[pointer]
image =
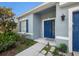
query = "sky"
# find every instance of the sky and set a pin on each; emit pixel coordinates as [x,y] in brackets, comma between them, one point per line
[20,7]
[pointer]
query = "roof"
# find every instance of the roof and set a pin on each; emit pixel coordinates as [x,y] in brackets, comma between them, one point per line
[38,8]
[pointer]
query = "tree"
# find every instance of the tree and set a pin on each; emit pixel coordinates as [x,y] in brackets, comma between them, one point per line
[6,13]
[6,19]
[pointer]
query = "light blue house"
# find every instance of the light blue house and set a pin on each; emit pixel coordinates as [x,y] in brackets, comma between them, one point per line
[55,20]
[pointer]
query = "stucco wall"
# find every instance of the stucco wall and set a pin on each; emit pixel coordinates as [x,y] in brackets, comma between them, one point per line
[30,22]
[37,26]
[61,27]
[50,14]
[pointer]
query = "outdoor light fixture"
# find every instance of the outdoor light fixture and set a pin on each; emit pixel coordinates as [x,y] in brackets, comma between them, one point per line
[63,17]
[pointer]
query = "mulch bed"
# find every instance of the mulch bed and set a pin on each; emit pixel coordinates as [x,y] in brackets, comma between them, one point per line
[10,52]
[17,49]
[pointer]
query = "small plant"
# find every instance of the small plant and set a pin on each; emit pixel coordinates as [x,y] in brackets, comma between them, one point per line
[46,48]
[63,48]
[55,52]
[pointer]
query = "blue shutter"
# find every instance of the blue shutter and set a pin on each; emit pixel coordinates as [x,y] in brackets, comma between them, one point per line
[19,26]
[26,25]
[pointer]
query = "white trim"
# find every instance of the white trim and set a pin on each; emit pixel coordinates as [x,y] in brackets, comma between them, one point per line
[43,24]
[61,37]
[64,4]
[23,19]
[25,33]
[70,28]
[49,19]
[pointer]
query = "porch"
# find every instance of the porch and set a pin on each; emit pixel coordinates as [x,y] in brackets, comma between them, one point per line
[44,24]
[46,40]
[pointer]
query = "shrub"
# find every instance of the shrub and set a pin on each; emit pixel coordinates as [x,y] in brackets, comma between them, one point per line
[8,40]
[63,47]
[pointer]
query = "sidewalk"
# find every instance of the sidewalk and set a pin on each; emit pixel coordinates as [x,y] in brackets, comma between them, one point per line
[32,51]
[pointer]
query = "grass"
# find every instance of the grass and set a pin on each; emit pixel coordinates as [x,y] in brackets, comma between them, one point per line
[27,43]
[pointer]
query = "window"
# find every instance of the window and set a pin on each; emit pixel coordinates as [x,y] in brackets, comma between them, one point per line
[23,26]
[26,25]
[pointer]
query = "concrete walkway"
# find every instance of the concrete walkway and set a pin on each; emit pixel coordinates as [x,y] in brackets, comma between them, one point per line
[32,51]
[46,40]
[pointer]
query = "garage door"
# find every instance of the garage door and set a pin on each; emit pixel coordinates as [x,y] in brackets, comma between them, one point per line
[76,31]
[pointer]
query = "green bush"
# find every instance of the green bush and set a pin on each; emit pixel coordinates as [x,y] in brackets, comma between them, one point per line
[8,40]
[63,47]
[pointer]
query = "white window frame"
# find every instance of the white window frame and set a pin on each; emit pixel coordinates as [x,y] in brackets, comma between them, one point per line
[70,28]
[43,25]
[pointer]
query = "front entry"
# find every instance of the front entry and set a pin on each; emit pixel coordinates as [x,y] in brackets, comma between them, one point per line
[49,29]
[76,31]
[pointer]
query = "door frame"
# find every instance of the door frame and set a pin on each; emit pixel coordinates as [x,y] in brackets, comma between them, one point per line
[70,27]
[43,25]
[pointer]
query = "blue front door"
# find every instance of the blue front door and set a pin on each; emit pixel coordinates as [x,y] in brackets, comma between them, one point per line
[76,31]
[48,29]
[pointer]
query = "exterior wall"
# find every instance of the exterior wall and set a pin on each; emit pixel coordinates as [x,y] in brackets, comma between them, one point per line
[62,27]
[30,23]
[37,26]
[50,14]
[59,41]
[45,16]
[23,25]
[37,21]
